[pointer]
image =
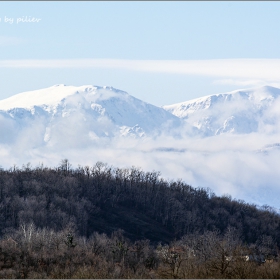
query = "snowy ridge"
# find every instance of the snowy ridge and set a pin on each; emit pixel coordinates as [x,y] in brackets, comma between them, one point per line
[256,95]
[99,111]
[108,112]
[241,111]
[53,96]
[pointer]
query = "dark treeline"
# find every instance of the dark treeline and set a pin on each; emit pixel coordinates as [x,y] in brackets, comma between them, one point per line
[105,222]
[104,199]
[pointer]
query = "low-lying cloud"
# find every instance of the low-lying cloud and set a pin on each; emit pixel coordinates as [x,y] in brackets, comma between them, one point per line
[227,164]
[249,69]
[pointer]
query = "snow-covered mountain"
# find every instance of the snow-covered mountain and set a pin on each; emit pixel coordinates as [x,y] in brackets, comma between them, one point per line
[84,112]
[241,111]
[87,124]
[88,113]
[71,116]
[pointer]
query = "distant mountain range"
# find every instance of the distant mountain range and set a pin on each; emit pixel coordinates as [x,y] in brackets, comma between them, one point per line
[228,142]
[92,112]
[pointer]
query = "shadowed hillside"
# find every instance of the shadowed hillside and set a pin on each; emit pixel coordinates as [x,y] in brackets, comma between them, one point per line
[105,222]
[104,199]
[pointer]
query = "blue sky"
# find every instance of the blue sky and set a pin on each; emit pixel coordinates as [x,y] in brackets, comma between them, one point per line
[160,52]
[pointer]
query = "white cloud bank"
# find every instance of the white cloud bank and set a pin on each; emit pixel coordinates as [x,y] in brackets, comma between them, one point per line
[253,69]
[228,164]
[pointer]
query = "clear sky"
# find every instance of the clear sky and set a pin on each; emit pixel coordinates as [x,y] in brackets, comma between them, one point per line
[160,52]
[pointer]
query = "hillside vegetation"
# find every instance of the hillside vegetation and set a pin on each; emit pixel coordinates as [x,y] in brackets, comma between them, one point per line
[106,222]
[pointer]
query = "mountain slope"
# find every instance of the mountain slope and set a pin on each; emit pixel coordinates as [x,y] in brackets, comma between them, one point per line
[242,111]
[92,112]
[85,111]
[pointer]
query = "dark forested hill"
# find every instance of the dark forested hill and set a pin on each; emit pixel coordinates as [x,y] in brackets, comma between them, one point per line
[103,199]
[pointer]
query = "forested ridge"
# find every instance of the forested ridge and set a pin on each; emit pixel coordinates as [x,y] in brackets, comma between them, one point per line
[108,207]
[102,198]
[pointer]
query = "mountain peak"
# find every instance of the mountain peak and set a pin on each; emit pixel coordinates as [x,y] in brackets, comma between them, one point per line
[238,111]
[54,95]
[101,110]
